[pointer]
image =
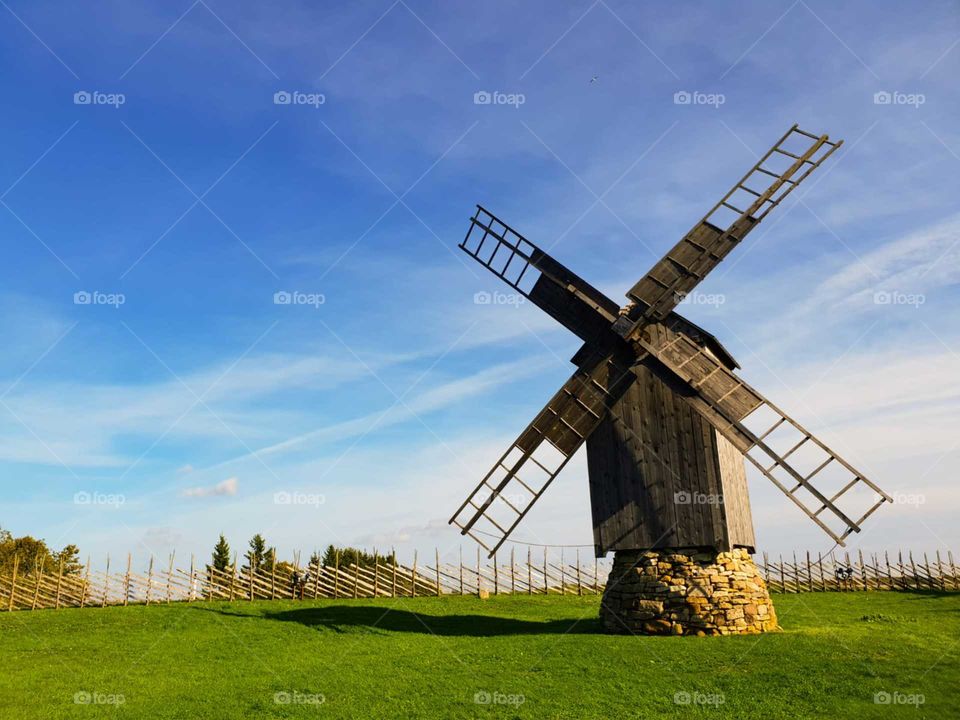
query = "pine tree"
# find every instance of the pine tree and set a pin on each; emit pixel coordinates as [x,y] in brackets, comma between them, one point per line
[221,554]
[257,555]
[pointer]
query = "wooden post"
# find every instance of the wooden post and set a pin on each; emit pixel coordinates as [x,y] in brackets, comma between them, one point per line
[13,582]
[513,571]
[38,569]
[86,584]
[59,582]
[461,570]
[149,579]
[478,572]
[809,574]
[233,576]
[436,552]
[913,568]
[823,579]
[546,588]
[953,570]
[336,574]
[579,581]
[529,573]
[106,582]
[563,574]
[273,575]
[783,579]
[250,572]
[126,582]
[393,582]
[496,576]
[316,579]
[413,585]
[886,557]
[190,592]
[376,571]
[356,577]
[596,574]
[170,574]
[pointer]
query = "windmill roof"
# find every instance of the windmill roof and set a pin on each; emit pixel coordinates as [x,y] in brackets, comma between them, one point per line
[708,339]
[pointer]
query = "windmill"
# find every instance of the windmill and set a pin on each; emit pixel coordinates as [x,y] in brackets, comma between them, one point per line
[667,422]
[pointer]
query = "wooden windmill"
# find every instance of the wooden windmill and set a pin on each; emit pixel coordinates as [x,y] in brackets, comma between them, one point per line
[666,420]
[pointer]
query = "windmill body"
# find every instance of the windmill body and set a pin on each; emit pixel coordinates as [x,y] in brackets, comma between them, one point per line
[668,425]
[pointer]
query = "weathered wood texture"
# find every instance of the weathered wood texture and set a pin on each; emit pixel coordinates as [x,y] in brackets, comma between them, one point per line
[659,478]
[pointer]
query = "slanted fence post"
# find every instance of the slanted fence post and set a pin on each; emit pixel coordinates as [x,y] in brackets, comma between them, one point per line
[336,574]
[513,571]
[413,584]
[436,552]
[192,586]
[546,587]
[106,583]
[126,581]
[496,576]
[393,582]
[13,582]
[38,564]
[86,584]
[149,579]
[59,582]
[461,570]
[579,581]
[529,573]
[170,574]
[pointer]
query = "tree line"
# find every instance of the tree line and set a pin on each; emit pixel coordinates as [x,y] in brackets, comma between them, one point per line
[34,554]
[260,556]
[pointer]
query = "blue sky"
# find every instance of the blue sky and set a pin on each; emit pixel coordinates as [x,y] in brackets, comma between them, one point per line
[198,198]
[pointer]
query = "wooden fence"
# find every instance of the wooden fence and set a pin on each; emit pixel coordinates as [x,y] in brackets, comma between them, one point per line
[387,579]
[872,572]
[384,578]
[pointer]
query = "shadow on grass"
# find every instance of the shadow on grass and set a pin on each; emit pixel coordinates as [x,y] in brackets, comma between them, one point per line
[351,618]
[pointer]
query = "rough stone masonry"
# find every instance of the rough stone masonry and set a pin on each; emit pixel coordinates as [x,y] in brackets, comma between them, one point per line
[670,592]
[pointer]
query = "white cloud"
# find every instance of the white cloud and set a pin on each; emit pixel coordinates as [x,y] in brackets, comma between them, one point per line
[227,487]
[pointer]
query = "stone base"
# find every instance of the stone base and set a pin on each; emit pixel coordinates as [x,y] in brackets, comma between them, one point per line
[671,592]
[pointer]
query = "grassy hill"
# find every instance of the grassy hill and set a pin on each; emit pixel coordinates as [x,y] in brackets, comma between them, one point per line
[526,657]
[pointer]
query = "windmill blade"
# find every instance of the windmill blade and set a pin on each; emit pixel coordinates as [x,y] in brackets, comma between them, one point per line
[521,476]
[766,435]
[784,166]
[562,294]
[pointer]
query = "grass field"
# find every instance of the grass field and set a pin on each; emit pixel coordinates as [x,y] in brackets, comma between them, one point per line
[526,657]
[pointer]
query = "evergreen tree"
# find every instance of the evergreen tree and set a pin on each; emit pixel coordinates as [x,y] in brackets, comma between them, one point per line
[257,555]
[221,554]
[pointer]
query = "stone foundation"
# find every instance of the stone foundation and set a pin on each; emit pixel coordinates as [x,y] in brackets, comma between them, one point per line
[672,592]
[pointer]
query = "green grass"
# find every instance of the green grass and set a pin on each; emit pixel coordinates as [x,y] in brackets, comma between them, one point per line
[429,658]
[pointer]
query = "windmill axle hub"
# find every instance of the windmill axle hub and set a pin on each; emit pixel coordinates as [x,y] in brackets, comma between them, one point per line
[672,592]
